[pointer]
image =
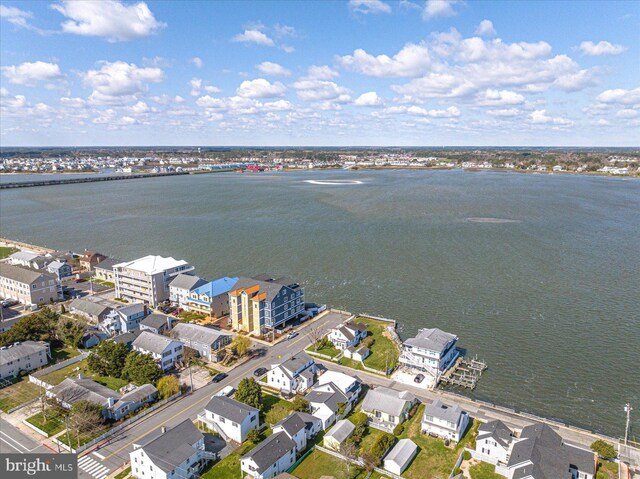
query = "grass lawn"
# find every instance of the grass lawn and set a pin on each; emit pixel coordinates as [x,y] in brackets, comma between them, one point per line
[108,284]
[190,316]
[319,464]
[369,438]
[18,393]
[434,459]
[84,437]
[56,377]
[329,350]
[60,354]
[274,408]
[123,474]
[382,348]
[52,425]
[229,467]
[607,470]
[484,470]
[5,251]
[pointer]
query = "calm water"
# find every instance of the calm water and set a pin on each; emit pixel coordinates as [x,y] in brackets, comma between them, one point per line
[537,274]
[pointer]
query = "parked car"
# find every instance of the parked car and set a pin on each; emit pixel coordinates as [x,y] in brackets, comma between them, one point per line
[218,377]
[260,372]
[227,391]
[419,378]
[9,302]
[292,334]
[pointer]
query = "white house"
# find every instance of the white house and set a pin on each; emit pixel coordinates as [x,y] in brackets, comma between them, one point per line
[177,453]
[447,422]
[350,386]
[493,442]
[24,356]
[123,319]
[207,341]
[328,404]
[231,418]
[296,374]
[338,434]
[347,335]
[166,351]
[400,456]
[181,286]
[294,427]
[357,353]
[271,457]
[387,408]
[431,350]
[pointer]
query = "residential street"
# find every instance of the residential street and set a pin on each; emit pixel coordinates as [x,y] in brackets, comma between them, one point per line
[13,441]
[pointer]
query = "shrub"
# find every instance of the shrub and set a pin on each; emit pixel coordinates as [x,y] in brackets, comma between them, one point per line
[382,444]
[368,341]
[359,419]
[466,455]
[253,436]
[604,449]
[398,429]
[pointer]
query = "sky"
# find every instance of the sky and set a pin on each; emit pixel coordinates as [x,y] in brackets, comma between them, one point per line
[320,73]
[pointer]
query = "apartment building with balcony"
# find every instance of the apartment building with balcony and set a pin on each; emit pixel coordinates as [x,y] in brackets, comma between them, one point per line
[147,279]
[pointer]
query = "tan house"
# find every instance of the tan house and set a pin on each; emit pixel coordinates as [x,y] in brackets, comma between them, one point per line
[90,259]
[28,286]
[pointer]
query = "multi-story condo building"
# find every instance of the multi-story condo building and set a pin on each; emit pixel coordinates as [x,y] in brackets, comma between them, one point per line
[28,286]
[147,279]
[181,286]
[260,304]
[211,298]
[432,351]
[24,356]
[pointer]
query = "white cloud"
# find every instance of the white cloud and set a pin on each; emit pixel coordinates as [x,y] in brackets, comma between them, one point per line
[260,88]
[31,73]
[253,36]
[323,72]
[370,98]
[541,117]
[576,81]
[273,69]
[3,91]
[601,48]
[627,113]
[439,8]
[110,19]
[494,98]
[620,96]
[320,90]
[73,102]
[284,30]
[196,62]
[504,112]
[485,28]
[412,60]
[369,6]
[279,105]
[287,48]
[451,112]
[197,85]
[14,103]
[119,82]
[15,16]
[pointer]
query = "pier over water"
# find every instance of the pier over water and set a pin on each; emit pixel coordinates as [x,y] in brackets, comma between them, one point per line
[89,179]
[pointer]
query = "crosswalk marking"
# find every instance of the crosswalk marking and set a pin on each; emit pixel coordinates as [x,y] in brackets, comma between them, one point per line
[93,467]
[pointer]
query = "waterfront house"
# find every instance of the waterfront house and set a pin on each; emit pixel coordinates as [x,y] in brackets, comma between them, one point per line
[447,422]
[338,434]
[166,351]
[387,408]
[59,269]
[400,456]
[124,318]
[295,428]
[259,305]
[540,453]
[157,323]
[147,279]
[431,350]
[296,374]
[272,456]
[104,269]
[23,356]
[176,453]
[207,341]
[211,298]
[91,258]
[230,418]
[328,404]
[28,286]
[493,442]
[348,335]
[92,308]
[28,259]
[181,286]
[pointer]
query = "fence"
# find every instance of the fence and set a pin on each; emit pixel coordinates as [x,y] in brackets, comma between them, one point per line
[115,429]
[35,428]
[458,462]
[57,366]
[379,318]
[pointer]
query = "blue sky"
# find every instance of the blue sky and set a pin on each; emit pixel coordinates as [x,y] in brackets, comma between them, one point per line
[359,72]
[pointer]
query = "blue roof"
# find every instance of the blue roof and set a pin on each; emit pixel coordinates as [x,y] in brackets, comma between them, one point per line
[215,287]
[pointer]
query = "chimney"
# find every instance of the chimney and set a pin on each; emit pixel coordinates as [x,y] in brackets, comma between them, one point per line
[163,429]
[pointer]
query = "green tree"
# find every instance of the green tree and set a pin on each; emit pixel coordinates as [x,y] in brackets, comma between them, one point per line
[168,386]
[604,449]
[382,444]
[108,359]
[300,404]
[249,392]
[141,368]
[70,332]
[253,436]
[40,326]
[240,345]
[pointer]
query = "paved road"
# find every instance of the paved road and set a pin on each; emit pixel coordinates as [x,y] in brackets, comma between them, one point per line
[116,452]
[14,441]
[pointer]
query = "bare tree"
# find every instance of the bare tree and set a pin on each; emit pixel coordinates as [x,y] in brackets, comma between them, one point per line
[350,451]
[315,334]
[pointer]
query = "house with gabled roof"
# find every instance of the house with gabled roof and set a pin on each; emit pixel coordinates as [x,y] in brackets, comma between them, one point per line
[271,457]
[293,426]
[442,420]
[431,350]
[348,335]
[338,434]
[157,323]
[181,286]
[206,340]
[400,456]
[166,351]
[231,418]
[23,356]
[350,386]
[387,408]
[328,404]
[494,441]
[124,319]
[296,374]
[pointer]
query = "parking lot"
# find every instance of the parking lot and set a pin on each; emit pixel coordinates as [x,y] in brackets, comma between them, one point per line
[72,289]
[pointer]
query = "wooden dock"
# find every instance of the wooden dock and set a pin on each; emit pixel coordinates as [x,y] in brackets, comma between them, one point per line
[464,373]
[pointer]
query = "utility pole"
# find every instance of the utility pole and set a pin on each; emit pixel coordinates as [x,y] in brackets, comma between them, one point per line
[66,423]
[627,409]
[91,284]
[190,376]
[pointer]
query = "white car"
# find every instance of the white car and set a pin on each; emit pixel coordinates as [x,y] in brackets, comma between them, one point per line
[292,334]
[226,391]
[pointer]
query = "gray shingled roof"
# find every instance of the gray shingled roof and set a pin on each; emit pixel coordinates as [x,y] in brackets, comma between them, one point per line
[330,399]
[87,306]
[198,333]
[386,400]
[152,342]
[443,411]
[187,281]
[402,452]
[267,284]
[22,275]
[21,350]
[130,309]
[341,430]
[139,393]
[270,450]
[72,390]
[228,408]
[294,363]
[107,264]
[497,430]
[155,320]
[173,447]
[127,337]
[433,339]
[291,424]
